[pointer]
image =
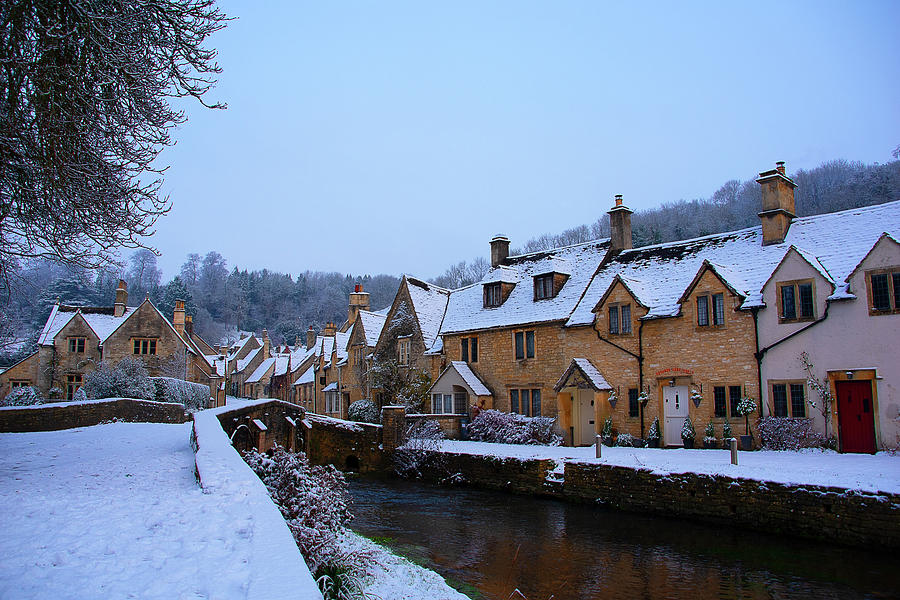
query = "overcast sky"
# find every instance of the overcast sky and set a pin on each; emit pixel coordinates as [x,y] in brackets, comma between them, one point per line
[386,137]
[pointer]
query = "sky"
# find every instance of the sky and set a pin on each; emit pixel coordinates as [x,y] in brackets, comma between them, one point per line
[399,137]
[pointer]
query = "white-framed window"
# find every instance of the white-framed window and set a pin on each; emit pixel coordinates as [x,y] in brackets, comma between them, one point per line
[403,351]
[449,404]
[332,402]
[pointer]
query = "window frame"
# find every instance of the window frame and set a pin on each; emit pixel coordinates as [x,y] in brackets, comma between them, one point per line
[534,400]
[525,335]
[791,402]
[144,346]
[403,351]
[469,349]
[622,312]
[708,315]
[892,277]
[543,287]
[73,382]
[493,295]
[797,304]
[77,344]
[634,405]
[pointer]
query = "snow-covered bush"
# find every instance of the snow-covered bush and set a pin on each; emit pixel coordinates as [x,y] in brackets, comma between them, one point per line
[128,379]
[625,439]
[653,434]
[709,435]
[746,406]
[22,396]
[313,501]
[606,434]
[785,433]
[423,437]
[55,393]
[80,395]
[687,430]
[726,431]
[363,411]
[510,428]
[193,396]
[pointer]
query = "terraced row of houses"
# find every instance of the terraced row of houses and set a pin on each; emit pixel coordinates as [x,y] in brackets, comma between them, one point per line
[801,315]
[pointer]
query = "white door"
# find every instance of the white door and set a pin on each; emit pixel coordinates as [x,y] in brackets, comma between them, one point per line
[675,400]
[584,431]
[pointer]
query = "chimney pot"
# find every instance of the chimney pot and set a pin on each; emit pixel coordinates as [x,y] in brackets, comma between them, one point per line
[779,166]
[618,199]
[619,227]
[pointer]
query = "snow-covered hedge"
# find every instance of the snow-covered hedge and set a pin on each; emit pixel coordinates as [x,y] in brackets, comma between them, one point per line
[423,436]
[785,433]
[625,440]
[313,501]
[193,396]
[22,396]
[127,379]
[510,428]
[363,411]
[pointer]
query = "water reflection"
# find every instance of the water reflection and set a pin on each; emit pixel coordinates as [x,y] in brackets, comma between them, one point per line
[490,544]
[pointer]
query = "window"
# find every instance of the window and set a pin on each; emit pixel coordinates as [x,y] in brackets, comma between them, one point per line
[781,402]
[332,402]
[76,344]
[524,344]
[796,301]
[718,310]
[719,400]
[492,295]
[19,383]
[525,402]
[634,409]
[73,382]
[735,393]
[358,358]
[403,351]
[543,287]
[145,345]
[620,319]
[884,289]
[441,404]
[469,349]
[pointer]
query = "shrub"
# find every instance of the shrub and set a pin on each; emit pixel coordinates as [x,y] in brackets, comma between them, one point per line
[606,434]
[423,436]
[312,500]
[625,439]
[363,411]
[22,396]
[509,428]
[79,395]
[709,434]
[785,433]
[639,443]
[687,430]
[55,393]
[193,396]
[128,379]
[653,434]
[342,576]
[726,431]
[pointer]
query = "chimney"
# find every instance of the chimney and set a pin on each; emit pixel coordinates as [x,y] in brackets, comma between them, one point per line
[777,204]
[223,350]
[265,346]
[619,227]
[330,329]
[499,250]
[297,341]
[310,337]
[189,324]
[121,298]
[359,300]
[178,317]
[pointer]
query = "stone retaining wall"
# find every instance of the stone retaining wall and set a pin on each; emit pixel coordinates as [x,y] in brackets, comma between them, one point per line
[346,445]
[66,415]
[832,514]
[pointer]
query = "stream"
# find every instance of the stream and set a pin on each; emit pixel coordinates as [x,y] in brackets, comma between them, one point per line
[490,544]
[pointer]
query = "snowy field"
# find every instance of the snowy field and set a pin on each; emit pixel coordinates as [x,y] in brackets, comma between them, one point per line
[879,472]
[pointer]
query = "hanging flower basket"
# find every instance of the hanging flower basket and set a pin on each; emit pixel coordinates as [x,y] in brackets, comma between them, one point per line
[697,398]
[643,398]
[613,398]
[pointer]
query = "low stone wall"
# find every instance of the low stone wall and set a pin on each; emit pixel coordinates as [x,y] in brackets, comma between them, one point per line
[241,425]
[66,415]
[451,425]
[832,514]
[346,444]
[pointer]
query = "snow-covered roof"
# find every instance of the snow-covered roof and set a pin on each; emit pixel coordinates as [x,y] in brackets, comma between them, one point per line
[243,362]
[307,376]
[261,370]
[281,364]
[100,319]
[331,387]
[501,274]
[430,304]
[471,379]
[341,341]
[466,311]
[658,275]
[372,324]
[590,373]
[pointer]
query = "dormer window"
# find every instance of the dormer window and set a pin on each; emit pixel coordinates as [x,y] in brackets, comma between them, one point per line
[492,295]
[796,301]
[716,316]
[543,287]
[884,291]
[620,319]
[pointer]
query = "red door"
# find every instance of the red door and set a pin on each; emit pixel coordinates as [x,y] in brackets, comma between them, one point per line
[856,416]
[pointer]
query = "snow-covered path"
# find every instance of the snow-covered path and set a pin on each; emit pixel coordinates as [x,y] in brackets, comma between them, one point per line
[880,472]
[114,511]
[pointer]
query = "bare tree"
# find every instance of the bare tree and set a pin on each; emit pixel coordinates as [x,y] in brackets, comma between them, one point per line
[84,112]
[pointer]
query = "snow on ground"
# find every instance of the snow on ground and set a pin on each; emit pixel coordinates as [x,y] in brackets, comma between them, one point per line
[879,472]
[392,577]
[114,511]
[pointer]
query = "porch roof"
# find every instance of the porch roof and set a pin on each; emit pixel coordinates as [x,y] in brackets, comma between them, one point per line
[470,380]
[590,376]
